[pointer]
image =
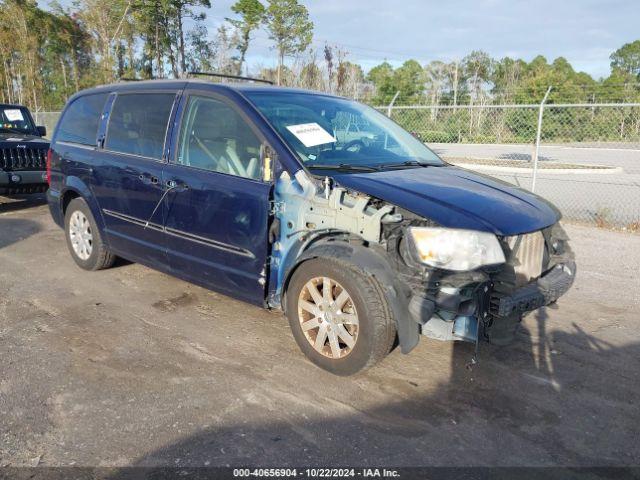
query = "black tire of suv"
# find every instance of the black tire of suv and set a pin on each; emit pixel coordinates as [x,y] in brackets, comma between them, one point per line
[100,256]
[376,330]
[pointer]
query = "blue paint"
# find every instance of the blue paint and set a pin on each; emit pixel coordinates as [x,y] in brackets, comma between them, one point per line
[228,210]
[466,328]
[457,198]
[289,200]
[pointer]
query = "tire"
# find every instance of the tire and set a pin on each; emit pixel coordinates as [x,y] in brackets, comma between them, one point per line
[79,224]
[371,339]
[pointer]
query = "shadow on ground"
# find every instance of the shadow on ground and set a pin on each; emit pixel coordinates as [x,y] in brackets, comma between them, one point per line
[20,202]
[16,229]
[491,415]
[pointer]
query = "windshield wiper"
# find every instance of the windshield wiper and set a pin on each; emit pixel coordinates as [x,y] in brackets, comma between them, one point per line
[345,167]
[409,163]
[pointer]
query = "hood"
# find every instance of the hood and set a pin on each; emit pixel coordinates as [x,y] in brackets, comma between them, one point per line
[8,140]
[457,198]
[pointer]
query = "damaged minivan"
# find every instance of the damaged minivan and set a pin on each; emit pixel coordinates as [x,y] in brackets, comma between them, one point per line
[305,202]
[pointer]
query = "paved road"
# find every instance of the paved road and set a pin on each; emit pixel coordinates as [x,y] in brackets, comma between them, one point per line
[626,158]
[131,367]
[612,198]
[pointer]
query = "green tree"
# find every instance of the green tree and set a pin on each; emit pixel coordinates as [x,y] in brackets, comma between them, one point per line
[382,77]
[251,14]
[619,87]
[627,58]
[507,76]
[478,67]
[349,78]
[311,76]
[179,11]
[435,77]
[289,27]
[104,26]
[409,80]
[201,51]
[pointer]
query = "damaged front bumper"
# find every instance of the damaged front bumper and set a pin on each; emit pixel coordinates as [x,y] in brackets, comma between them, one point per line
[546,290]
[490,303]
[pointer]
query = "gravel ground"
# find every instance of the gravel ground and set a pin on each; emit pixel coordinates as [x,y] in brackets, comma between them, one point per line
[128,366]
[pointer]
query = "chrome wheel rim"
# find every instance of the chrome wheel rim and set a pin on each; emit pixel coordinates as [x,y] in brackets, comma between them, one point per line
[328,317]
[80,235]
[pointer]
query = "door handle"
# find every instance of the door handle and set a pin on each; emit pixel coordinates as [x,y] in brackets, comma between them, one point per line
[171,185]
[177,186]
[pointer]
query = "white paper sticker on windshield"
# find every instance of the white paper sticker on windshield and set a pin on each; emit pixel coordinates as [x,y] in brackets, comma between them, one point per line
[14,115]
[311,134]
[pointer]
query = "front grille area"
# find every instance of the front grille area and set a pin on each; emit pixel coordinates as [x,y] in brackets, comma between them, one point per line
[13,159]
[529,255]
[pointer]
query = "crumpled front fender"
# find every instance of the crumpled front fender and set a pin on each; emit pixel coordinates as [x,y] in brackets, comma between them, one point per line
[374,263]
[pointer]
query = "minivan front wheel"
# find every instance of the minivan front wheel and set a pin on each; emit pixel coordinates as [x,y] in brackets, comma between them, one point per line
[83,237]
[339,316]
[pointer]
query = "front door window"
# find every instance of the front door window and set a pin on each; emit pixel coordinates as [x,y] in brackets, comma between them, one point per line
[214,137]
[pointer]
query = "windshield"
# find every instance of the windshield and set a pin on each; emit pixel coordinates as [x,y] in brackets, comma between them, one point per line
[335,133]
[15,120]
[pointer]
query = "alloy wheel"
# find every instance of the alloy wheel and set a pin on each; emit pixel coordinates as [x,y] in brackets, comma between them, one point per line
[80,235]
[328,317]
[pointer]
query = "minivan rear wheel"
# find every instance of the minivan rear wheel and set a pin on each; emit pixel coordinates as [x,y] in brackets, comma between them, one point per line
[83,237]
[339,316]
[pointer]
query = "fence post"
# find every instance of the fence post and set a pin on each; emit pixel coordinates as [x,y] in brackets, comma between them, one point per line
[537,152]
[393,100]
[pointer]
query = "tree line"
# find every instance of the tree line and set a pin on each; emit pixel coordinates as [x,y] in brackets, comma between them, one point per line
[47,54]
[479,79]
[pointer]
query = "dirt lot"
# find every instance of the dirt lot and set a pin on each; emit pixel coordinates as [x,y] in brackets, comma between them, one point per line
[131,367]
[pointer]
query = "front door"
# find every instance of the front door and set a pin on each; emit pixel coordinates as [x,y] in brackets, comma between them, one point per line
[217,210]
[128,183]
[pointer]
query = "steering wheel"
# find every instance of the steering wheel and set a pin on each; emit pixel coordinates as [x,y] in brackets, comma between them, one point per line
[354,143]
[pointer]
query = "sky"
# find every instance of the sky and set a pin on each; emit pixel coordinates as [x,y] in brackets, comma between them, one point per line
[585,32]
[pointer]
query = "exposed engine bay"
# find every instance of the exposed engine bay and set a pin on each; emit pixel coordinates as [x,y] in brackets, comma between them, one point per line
[484,303]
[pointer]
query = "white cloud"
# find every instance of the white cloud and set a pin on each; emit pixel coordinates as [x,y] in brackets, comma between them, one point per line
[583,31]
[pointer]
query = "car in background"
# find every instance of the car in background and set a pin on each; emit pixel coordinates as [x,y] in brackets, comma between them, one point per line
[23,152]
[305,202]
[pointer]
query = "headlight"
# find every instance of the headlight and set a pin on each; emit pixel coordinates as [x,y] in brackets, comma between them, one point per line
[457,250]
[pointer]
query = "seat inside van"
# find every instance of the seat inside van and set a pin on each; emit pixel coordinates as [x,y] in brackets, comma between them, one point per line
[214,137]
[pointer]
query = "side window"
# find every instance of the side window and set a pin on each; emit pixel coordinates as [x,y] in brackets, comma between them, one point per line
[80,121]
[214,137]
[138,123]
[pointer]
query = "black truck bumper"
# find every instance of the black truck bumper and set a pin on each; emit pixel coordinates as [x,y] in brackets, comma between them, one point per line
[22,181]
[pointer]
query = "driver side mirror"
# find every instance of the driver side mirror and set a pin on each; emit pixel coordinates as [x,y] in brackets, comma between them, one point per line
[42,130]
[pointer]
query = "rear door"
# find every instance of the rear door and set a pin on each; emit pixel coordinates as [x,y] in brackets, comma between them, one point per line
[75,140]
[218,209]
[128,182]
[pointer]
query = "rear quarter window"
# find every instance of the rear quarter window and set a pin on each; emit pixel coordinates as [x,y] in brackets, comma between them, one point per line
[80,121]
[138,124]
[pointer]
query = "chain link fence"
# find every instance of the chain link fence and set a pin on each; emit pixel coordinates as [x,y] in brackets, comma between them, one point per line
[587,161]
[47,119]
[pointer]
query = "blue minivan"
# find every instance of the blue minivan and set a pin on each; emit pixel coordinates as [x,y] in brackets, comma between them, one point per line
[305,202]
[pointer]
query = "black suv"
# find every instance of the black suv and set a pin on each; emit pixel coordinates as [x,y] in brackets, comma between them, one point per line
[23,152]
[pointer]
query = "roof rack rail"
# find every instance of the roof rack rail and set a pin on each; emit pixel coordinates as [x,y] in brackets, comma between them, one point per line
[234,77]
[130,79]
